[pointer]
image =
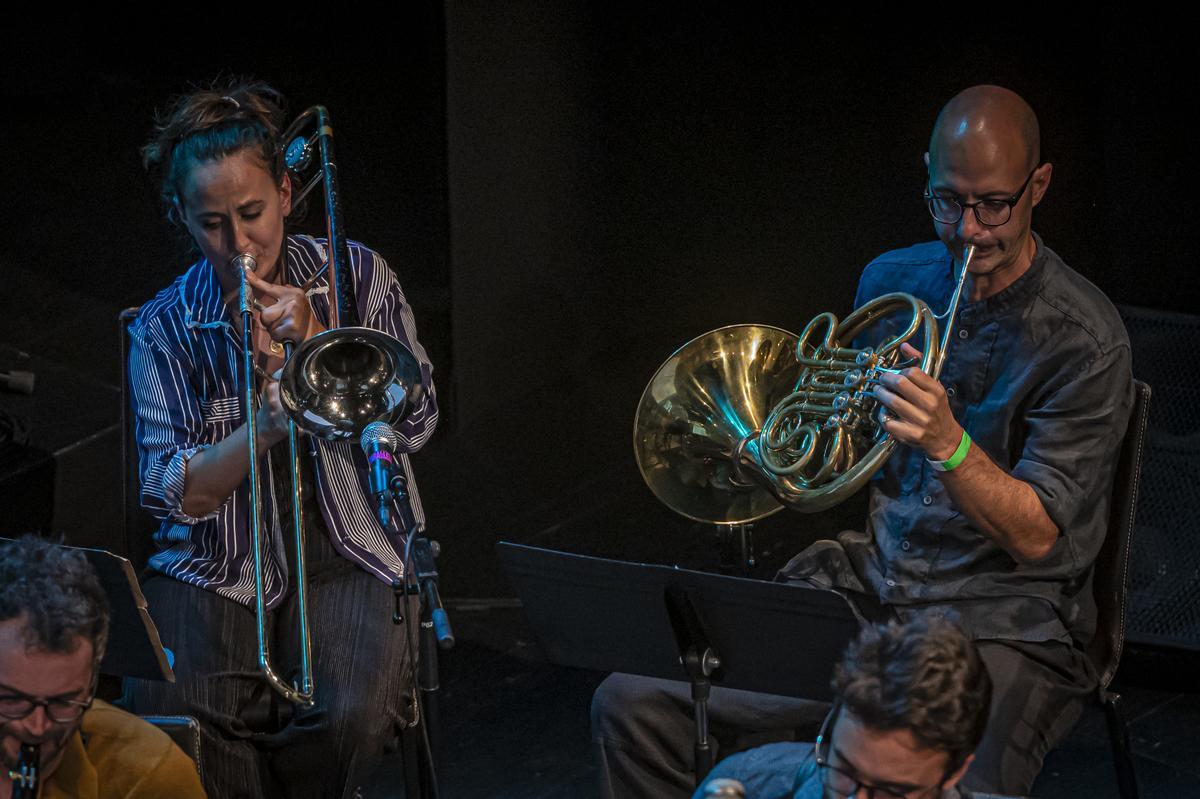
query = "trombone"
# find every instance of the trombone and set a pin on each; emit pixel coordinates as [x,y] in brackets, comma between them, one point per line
[333,385]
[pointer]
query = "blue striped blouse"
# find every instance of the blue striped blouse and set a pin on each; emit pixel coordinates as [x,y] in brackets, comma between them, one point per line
[185,371]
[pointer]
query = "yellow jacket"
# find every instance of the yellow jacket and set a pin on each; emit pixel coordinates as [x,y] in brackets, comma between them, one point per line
[116,755]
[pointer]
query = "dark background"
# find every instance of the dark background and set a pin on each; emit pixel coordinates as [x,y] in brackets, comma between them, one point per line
[568,192]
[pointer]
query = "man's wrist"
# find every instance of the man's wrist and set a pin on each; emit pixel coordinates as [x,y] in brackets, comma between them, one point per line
[956,458]
[946,447]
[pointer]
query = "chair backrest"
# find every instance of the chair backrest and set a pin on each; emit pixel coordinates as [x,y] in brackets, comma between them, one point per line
[1111,575]
[137,523]
[184,731]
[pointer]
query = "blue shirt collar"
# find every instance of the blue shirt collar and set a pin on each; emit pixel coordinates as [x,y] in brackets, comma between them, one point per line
[1013,296]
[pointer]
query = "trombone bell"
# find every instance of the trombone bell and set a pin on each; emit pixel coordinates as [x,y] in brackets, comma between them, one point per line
[338,382]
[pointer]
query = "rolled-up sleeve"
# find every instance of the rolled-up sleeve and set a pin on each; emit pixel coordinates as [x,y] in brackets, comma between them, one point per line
[1074,435]
[168,425]
[383,307]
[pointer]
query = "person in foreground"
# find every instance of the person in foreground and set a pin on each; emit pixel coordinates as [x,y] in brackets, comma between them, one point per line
[911,703]
[995,504]
[223,179]
[53,630]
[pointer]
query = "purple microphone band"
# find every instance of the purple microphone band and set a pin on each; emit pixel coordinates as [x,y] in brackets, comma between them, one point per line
[381,455]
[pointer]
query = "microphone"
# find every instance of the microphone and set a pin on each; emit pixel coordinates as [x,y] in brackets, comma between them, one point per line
[724,787]
[379,442]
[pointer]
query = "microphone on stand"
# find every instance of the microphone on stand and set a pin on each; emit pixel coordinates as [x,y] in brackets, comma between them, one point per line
[379,442]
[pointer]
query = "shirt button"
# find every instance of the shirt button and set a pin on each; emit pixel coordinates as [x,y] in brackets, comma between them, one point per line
[891,583]
[951,391]
[906,545]
[963,334]
[926,500]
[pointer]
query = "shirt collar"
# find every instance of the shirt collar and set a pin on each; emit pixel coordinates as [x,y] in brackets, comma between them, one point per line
[1013,296]
[75,777]
[200,296]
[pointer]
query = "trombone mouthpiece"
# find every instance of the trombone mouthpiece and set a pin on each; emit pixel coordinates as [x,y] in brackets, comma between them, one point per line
[244,262]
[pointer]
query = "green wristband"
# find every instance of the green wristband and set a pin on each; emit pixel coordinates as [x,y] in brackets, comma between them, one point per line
[955,460]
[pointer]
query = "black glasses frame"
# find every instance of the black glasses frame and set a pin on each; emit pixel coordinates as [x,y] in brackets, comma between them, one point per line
[826,767]
[1011,202]
[48,705]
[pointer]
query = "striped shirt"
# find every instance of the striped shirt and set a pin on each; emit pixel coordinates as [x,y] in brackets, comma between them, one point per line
[185,367]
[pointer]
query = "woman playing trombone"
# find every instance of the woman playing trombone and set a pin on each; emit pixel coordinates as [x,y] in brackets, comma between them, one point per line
[224,180]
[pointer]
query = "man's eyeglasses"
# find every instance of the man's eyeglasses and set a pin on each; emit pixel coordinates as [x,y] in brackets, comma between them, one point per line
[16,706]
[839,782]
[992,213]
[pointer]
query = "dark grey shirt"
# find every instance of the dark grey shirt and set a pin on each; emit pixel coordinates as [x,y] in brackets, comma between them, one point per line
[1039,376]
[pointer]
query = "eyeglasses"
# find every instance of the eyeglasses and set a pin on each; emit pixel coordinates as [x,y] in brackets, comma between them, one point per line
[16,706]
[839,782]
[991,213]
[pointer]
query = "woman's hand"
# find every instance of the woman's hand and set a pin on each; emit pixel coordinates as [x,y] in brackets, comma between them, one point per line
[271,419]
[290,317]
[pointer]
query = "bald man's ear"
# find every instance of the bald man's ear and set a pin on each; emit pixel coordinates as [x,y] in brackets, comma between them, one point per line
[927,159]
[1041,181]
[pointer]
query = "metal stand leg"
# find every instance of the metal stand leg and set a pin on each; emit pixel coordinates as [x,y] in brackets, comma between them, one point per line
[701,662]
[700,667]
[736,542]
[1118,736]
[422,744]
[430,684]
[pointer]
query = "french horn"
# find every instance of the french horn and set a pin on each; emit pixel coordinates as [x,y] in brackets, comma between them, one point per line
[745,420]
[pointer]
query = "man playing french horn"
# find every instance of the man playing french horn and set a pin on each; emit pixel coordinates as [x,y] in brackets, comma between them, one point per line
[995,504]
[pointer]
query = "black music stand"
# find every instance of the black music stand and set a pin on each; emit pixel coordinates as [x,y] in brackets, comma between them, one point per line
[134,648]
[661,621]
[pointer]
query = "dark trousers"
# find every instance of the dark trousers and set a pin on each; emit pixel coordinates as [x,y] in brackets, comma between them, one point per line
[643,733]
[361,672]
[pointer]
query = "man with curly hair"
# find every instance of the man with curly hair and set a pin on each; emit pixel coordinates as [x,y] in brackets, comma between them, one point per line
[53,630]
[912,704]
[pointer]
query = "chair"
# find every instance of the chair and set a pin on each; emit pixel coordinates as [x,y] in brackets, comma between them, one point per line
[1111,584]
[136,523]
[184,731]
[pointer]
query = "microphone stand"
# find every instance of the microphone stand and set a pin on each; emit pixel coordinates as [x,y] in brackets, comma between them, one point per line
[435,633]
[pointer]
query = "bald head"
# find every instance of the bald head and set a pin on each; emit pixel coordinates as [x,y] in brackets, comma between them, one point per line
[985,156]
[987,120]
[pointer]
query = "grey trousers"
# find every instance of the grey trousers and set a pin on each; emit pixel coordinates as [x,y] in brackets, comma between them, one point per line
[643,733]
[362,688]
